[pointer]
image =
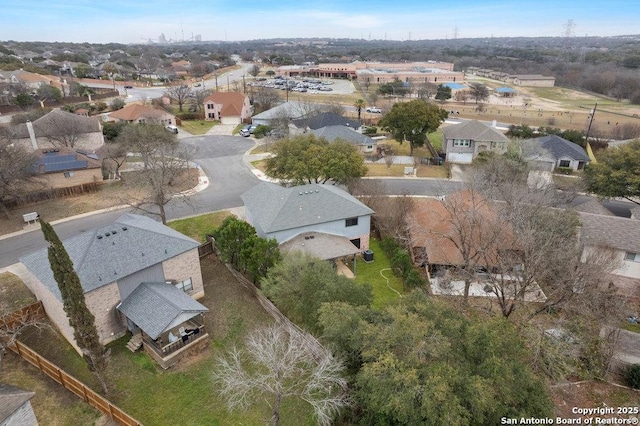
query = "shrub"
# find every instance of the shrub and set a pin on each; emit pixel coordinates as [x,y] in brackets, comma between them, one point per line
[564,170]
[632,376]
[190,116]
[261,131]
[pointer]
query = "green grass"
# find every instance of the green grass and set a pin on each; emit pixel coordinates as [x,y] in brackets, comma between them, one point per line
[198,227]
[370,273]
[197,127]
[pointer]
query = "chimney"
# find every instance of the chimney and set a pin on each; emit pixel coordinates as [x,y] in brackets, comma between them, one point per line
[32,136]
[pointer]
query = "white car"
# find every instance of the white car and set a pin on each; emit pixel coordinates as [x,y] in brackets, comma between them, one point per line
[374,110]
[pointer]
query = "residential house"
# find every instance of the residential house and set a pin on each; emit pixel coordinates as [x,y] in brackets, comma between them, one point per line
[227,107]
[137,113]
[64,167]
[137,275]
[15,407]
[319,219]
[59,129]
[364,144]
[286,111]
[323,119]
[462,235]
[622,235]
[463,142]
[550,152]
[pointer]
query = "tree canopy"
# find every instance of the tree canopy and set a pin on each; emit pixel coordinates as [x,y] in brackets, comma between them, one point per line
[617,172]
[301,283]
[411,121]
[16,170]
[443,93]
[307,159]
[424,363]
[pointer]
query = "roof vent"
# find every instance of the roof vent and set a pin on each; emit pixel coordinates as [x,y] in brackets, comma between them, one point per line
[99,237]
[106,234]
[317,190]
[306,238]
[299,193]
[311,237]
[114,232]
[124,228]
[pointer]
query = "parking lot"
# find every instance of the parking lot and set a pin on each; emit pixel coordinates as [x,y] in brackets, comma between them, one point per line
[310,85]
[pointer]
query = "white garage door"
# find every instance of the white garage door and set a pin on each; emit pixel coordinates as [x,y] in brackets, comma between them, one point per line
[460,158]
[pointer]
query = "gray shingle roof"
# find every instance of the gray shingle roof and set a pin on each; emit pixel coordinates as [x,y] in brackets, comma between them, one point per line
[290,110]
[276,208]
[325,119]
[613,231]
[473,130]
[104,255]
[331,133]
[12,398]
[156,307]
[555,146]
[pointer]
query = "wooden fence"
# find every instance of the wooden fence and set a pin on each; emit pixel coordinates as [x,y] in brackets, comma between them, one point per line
[26,314]
[74,385]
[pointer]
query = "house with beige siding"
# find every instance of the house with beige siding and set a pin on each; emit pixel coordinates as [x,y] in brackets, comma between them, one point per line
[463,142]
[65,167]
[322,220]
[138,276]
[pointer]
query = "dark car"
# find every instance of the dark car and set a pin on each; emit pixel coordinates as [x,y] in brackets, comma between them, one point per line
[128,87]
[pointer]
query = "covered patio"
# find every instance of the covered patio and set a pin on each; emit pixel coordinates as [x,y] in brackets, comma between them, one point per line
[166,321]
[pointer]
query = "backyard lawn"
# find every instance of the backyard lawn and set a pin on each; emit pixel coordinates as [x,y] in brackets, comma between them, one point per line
[198,227]
[386,286]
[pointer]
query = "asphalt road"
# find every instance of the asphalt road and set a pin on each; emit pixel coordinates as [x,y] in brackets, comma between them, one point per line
[220,157]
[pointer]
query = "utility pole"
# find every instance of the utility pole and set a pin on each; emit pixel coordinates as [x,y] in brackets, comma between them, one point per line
[591,116]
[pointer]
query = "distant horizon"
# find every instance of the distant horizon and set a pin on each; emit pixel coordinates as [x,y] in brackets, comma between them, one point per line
[126,22]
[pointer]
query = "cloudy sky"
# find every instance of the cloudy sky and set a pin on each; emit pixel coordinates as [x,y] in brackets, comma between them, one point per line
[134,21]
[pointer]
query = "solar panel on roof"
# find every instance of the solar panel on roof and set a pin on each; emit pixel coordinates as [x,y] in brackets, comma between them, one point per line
[58,159]
[70,165]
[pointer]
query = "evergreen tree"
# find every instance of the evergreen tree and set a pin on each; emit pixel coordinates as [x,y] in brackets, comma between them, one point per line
[80,318]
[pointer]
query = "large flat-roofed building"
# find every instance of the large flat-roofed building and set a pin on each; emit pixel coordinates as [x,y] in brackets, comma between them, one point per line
[379,72]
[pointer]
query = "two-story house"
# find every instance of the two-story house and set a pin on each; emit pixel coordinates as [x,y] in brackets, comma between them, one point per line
[322,220]
[137,275]
[227,107]
[463,142]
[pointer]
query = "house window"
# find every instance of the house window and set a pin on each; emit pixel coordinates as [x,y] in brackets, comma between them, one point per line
[634,257]
[565,163]
[68,174]
[351,222]
[185,285]
[369,146]
[461,142]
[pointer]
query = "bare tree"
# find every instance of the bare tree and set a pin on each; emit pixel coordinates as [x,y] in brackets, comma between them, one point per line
[12,326]
[167,169]
[63,128]
[265,98]
[16,171]
[179,94]
[115,154]
[254,70]
[280,362]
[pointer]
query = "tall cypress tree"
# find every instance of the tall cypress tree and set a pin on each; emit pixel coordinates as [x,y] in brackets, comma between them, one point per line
[80,318]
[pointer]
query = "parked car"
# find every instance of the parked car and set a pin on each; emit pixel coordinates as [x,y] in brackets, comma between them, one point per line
[374,110]
[128,86]
[244,133]
[172,128]
[250,128]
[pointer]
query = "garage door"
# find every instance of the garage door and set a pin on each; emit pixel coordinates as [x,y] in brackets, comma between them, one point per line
[460,158]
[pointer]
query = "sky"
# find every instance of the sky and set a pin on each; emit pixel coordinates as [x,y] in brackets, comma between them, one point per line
[136,21]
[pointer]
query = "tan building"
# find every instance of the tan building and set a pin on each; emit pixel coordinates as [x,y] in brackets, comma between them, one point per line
[532,80]
[227,107]
[137,113]
[380,72]
[137,275]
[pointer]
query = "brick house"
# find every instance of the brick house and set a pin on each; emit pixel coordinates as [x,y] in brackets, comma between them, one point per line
[227,107]
[138,275]
[137,113]
[322,220]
